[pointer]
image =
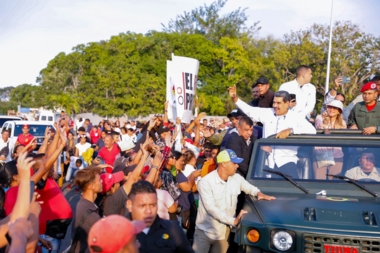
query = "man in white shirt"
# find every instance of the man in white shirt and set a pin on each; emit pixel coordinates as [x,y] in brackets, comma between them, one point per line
[218,193]
[303,90]
[279,121]
[6,147]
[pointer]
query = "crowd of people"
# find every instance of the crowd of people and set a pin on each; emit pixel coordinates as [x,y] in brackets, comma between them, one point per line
[161,185]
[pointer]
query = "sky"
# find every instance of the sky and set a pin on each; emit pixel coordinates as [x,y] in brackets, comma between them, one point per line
[32,32]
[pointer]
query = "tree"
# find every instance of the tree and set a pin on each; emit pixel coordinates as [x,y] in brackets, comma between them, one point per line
[27,95]
[206,20]
[5,93]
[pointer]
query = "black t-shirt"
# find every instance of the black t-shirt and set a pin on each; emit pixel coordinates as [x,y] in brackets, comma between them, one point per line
[100,143]
[115,204]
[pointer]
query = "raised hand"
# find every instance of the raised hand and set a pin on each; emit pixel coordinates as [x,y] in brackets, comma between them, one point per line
[157,161]
[23,166]
[232,93]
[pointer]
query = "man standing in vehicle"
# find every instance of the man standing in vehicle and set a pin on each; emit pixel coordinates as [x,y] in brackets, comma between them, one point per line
[366,115]
[304,91]
[279,121]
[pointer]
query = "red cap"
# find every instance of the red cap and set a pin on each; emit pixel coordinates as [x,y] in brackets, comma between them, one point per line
[108,180]
[25,126]
[369,86]
[111,233]
[189,140]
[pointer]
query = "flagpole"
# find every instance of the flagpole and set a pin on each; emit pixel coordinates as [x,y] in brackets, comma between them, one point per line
[329,52]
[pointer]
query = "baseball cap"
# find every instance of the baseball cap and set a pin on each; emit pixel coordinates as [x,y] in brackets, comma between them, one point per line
[125,145]
[235,113]
[368,86]
[261,80]
[113,232]
[108,180]
[124,168]
[228,155]
[163,129]
[336,104]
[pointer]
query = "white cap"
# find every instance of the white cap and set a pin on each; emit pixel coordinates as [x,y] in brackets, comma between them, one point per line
[126,145]
[336,104]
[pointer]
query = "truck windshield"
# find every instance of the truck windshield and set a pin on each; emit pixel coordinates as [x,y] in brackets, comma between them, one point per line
[35,130]
[316,162]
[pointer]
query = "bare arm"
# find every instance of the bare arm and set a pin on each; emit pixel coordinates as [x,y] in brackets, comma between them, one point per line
[153,173]
[44,146]
[166,112]
[134,177]
[187,186]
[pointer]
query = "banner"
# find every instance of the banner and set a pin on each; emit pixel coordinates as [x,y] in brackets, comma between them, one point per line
[181,81]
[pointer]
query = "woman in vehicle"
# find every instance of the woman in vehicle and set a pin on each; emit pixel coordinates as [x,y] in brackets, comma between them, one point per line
[329,160]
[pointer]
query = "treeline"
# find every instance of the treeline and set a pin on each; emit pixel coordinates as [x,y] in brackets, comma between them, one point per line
[127,73]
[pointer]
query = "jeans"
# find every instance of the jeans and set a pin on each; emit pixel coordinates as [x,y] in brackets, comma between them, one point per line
[55,242]
[70,171]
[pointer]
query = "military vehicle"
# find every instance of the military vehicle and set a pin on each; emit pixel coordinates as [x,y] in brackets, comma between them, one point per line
[337,213]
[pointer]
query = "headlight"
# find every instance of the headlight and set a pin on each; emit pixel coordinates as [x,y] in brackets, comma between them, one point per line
[253,235]
[282,240]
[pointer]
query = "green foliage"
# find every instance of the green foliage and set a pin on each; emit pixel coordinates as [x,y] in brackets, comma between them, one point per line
[206,20]
[127,73]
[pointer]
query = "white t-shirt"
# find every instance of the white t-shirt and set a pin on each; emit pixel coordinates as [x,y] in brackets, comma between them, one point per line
[82,148]
[165,201]
[188,170]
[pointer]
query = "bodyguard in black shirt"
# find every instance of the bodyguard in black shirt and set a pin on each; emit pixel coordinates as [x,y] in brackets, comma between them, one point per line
[265,99]
[160,235]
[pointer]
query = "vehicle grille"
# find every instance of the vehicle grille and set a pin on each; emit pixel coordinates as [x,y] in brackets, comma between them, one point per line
[315,243]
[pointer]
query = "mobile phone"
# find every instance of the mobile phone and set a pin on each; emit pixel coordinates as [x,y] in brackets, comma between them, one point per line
[31,190]
[346,79]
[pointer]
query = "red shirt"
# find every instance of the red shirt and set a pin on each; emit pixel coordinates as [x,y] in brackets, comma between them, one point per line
[370,107]
[109,156]
[24,139]
[54,206]
[95,135]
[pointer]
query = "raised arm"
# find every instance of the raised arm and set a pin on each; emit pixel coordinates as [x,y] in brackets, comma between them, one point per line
[134,177]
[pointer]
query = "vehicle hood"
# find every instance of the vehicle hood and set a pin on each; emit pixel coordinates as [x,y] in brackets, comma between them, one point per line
[317,211]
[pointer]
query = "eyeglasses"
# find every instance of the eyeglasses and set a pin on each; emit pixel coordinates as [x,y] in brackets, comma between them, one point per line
[82,136]
[369,159]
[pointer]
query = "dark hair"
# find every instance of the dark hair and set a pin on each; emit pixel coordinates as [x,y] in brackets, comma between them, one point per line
[187,156]
[2,200]
[85,177]
[79,161]
[246,120]
[5,130]
[283,94]
[176,154]
[82,129]
[141,187]
[104,131]
[207,145]
[131,129]
[87,120]
[114,133]
[215,147]
[341,94]
[7,172]
[301,69]
[369,150]
[376,78]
